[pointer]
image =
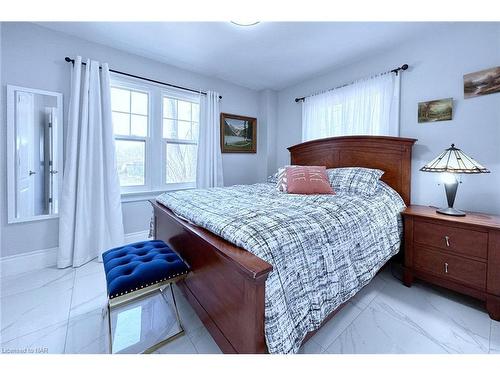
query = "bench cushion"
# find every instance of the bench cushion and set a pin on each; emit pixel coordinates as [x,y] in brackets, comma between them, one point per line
[135,266]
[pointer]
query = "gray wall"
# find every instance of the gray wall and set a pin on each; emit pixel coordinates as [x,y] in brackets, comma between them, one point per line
[33,56]
[268,119]
[3,185]
[437,65]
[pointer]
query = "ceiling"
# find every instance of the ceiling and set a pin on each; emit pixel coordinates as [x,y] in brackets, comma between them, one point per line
[269,55]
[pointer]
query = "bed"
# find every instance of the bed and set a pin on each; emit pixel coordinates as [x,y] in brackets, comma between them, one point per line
[234,291]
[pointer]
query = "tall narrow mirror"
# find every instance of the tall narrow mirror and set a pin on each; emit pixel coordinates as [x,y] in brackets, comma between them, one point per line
[34,146]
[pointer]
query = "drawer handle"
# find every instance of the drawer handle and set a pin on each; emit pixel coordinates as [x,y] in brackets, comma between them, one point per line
[445,267]
[447,239]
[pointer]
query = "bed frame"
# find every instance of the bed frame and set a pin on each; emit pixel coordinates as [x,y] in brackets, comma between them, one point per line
[227,284]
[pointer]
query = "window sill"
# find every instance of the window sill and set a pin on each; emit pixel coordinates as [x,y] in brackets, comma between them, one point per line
[146,195]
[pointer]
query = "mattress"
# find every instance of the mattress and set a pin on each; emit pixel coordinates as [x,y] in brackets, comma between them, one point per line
[323,248]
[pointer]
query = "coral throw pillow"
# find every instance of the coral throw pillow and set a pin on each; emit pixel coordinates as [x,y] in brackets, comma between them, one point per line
[308,180]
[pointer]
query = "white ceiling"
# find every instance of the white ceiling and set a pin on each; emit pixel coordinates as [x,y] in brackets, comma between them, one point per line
[270,55]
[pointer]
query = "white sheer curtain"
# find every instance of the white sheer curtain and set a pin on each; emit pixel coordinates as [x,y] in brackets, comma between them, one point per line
[209,161]
[90,219]
[365,107]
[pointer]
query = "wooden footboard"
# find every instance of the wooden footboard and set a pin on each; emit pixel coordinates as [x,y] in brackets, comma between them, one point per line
[226,284]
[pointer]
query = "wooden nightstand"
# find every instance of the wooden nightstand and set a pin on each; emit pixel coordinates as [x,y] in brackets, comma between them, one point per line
[459,253]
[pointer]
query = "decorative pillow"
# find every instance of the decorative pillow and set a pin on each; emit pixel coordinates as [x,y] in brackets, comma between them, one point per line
[354,180]
[273,179]
[307,180]
[281,179]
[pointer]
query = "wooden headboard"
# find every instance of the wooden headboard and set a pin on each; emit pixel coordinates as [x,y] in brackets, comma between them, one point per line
[390,154]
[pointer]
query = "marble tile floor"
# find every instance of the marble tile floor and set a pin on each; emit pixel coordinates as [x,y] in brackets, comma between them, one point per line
[60,311]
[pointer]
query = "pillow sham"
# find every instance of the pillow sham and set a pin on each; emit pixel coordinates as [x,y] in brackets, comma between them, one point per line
[354,180]
[273,178]
[307,180]
[281,182]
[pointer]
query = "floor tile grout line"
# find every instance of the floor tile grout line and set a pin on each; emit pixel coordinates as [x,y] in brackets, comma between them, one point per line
[323,349]
[489,341]
[424,288]
[357,316]
[361,311]
[191,339]
[41,328]
[32,332]
[192,343]
[69,310]
[347,326]
[27,290]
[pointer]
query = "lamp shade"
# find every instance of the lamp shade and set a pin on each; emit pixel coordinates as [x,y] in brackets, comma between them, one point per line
[454,160]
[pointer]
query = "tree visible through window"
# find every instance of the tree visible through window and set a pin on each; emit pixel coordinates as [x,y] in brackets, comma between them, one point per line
[130,124]
[180,134]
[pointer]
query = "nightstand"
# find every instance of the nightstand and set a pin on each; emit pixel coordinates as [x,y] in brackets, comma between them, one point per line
[458,253]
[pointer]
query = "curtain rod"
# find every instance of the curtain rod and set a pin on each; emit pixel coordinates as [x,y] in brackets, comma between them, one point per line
[395,70]
[67,59]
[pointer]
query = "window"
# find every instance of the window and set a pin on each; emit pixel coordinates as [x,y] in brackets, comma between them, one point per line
[156,137]
[130,110]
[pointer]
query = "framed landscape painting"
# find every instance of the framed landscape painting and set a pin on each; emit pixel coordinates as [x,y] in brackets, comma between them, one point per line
[435,110]
[483,82]
[238,133]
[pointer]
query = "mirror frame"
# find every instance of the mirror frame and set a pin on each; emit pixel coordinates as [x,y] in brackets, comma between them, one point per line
[11,151]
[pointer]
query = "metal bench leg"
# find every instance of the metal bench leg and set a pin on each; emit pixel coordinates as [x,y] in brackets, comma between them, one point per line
[175,304]
[159,344]
[110,331]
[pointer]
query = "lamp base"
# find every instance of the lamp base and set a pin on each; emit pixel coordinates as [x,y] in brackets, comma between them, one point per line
[451,187]
[450,211]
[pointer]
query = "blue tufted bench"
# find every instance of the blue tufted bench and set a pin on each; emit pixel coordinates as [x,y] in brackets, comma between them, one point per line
[137,270]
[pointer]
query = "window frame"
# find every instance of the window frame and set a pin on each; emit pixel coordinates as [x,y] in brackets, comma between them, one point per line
[154,167]
[192,98]
[129,85]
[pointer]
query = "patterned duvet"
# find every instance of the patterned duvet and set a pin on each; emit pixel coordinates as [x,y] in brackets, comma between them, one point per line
[324,248]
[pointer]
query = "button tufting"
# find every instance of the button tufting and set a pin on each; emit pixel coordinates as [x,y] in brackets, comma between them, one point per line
[127,266]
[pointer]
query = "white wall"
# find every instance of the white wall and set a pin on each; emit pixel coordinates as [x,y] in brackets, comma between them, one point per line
[437,65]
[33,56]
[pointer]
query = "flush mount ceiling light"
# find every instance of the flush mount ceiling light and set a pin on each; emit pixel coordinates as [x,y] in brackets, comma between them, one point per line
[245,22]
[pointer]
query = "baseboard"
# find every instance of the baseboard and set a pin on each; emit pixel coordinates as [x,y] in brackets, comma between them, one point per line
[38,259]
[136,236]
[26,262]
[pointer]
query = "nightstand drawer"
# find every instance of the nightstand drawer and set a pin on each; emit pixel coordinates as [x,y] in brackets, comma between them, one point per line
[465,271]
[465,241]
